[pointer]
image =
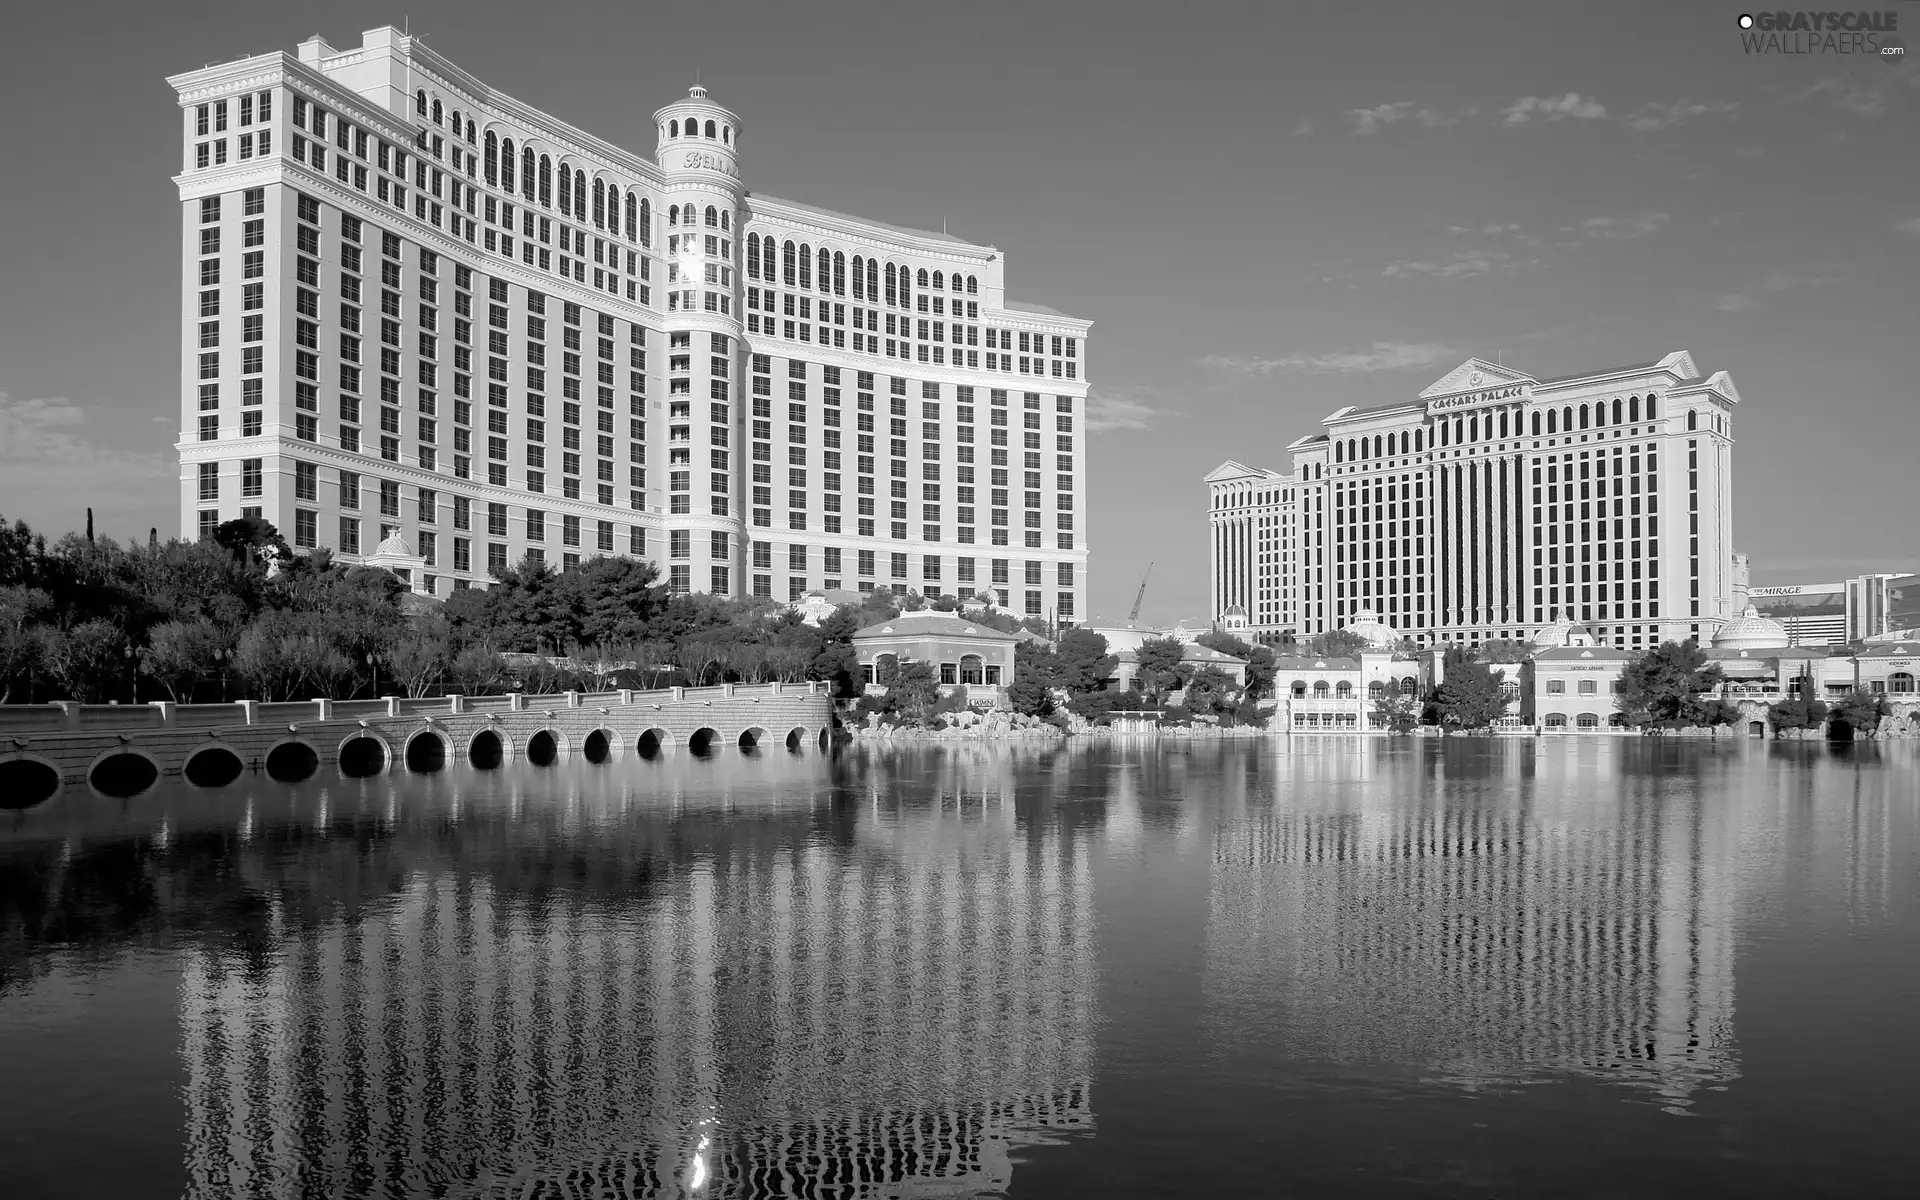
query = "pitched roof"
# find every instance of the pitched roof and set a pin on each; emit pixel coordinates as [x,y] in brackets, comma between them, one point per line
[934,624]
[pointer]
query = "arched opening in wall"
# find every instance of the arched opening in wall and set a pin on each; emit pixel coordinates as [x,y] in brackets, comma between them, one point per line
[597,748]
[797,739]
[124,774]
[25,782]
[1839,730]
[542,749]
[1756,729]
[362,756]
[426,753]
[291,762]
[486,751]
[652,744]
[750,739]
[215,766]
[701,743]
[826,738]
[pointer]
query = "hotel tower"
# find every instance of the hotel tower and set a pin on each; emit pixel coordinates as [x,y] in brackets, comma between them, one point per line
[427,323]
[1490,504]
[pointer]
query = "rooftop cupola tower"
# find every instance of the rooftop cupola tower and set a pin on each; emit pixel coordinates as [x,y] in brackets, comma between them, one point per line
[696,134]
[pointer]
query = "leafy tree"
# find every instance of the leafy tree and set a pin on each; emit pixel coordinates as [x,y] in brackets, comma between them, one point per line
[291,656]
[1259,659]
[252,539]
[421,656]
[1211,690]
[1662,687]
[1338,644]
[1862,711]
[21,608]
[914,691]
[1798,711]
[478,670]
[1504,650]
[1031,689]
[1469,696]
[182,654]
[1397,712]
[1081,662]
[1158,666]
[88,660]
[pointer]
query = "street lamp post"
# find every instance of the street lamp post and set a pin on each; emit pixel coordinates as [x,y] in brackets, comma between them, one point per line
[374,663]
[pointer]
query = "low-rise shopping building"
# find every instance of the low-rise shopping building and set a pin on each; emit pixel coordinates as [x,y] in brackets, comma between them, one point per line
[961,653]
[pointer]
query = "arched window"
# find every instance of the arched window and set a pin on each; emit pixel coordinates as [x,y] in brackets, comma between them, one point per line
[1405,441]
[1583,416]
[892,293]
[580,194]
[711,131]
[1900,681]
[1616,410]
[939,281]
[973,286]
[806,265]
[1459,430]
[726,134]
[1473,428]
[766,259]
[1556,721]
[546,182]
[753,256]
[1418,441]
[1536,422]
[493,158]
[1377,449]
[1566,418]
[566,191]
[873,280]
[1693,420]
[631,215]
[824,267]
[1553,421]
[859,279]
[1503,422]
[1299,688]
[786,263]
[1588,720]
[453,122]
[726,220]
[1407,685]
[600,203]
[713,217]
[437,113]
[646,220]
[420,102]
[1633,408]
[1343,690]
[469,131]
[527,172]
[1320,689]
[920,279]
[1376,690]
[673,129]
[1339,452]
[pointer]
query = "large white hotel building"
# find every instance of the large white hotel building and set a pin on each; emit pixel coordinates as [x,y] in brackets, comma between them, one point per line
[412,305]
[1489,504]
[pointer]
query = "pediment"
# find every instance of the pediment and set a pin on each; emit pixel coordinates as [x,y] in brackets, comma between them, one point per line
[1474,375]
[1229,471]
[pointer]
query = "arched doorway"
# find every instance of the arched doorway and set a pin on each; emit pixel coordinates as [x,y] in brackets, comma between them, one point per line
[653,743]
[486,751]
[426,753]
[362,756]
[292,762]
[598,748]
[543,748]
[701,743]
[212,767]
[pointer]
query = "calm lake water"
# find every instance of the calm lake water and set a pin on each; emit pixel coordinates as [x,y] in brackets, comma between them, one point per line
[1588,968]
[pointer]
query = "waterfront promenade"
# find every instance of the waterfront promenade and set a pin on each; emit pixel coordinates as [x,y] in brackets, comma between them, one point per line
[121,750]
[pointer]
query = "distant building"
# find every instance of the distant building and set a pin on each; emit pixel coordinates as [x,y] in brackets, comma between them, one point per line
[961,653]
[1822,614]
[1488,503]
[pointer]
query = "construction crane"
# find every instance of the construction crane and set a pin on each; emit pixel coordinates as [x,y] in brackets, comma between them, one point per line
[1140,595]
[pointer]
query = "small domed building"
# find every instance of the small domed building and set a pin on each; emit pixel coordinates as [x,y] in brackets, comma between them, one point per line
[1751,631]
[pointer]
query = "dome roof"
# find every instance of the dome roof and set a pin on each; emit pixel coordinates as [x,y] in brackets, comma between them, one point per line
[1563,632]
[1367,624]
[393,546]
[1234,610]
[1750,631]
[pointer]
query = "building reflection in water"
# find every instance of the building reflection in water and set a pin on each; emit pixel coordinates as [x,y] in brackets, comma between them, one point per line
[723,989]
[1481,914]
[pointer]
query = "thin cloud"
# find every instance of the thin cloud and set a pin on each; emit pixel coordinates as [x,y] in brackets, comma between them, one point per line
[1773,282]
[1868,103]
[1910,227]
[1303,129]
[54,472]
[1548,109]
[1373,120]
[1463,264]
[1651,118]
[1381,356]
[1621,229]
[1110,409]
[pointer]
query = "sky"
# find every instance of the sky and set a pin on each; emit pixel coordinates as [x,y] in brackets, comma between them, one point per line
[1268,211]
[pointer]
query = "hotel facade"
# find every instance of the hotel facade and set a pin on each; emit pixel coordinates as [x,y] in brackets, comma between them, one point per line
[422,316]
[1490,504]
